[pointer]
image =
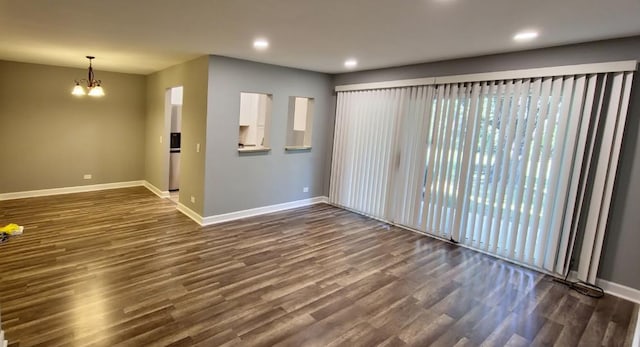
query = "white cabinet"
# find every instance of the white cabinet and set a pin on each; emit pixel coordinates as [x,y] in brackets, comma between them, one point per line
[300,121]
[248,108]
[255,112]
[300,114]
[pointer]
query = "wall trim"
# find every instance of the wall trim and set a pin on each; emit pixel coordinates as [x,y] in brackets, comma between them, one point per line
[220,218]
[612,288]
[227,217]
[69,190]
[3,342]
[155,190]
[190,213]
[636,336]
[619,290]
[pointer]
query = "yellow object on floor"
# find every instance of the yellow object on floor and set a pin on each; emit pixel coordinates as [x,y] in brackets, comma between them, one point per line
[12,229]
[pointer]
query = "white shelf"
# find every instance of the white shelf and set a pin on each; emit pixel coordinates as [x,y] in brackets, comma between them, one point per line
[297,148]
[254,149]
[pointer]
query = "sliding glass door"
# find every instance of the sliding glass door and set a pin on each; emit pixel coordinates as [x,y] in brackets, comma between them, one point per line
[496,165]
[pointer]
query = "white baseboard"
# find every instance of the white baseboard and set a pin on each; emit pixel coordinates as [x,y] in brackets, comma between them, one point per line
[209,220]
[226,217]
[636,336]
[190,213]
[626,293]
[613,288]
[619,290]
[161,193]
[69,190]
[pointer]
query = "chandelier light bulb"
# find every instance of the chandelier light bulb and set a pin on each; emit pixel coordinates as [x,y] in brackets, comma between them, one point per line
[78,90]
[96,91]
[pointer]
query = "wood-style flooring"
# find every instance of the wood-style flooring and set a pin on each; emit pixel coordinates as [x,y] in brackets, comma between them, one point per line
[123,267]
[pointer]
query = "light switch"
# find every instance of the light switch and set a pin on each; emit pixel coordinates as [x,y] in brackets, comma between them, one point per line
[198,147]
[160,138]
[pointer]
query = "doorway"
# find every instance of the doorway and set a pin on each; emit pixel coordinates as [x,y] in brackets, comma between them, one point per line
[174,115]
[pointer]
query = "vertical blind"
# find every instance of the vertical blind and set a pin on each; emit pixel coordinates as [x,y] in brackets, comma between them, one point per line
[617,99]
[500,166]
[365,136]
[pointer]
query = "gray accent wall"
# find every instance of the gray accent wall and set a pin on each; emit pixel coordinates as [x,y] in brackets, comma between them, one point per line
[193,76]
[236,181]
[50,138]
[621,254]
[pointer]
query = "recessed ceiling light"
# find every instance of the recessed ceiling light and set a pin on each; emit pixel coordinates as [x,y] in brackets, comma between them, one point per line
[261,44]
[351,63]
[525,35]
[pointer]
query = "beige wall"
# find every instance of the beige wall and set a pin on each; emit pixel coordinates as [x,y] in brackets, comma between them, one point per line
[50,138]
[193,76]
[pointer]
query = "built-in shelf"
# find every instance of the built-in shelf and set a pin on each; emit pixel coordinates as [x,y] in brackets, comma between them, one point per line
[297,148]
[253,149]
[254,121]
[299,123]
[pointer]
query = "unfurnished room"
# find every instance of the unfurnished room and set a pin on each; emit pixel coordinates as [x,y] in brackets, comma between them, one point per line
[319,173]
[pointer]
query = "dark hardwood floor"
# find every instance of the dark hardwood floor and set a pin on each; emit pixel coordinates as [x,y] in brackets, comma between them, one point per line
[123,267]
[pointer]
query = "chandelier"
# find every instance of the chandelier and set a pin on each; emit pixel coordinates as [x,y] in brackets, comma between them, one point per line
[93,85]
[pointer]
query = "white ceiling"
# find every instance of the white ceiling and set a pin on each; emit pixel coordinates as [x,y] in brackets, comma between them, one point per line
[143,36]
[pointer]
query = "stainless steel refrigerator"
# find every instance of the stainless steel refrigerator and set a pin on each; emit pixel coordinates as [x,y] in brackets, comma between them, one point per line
[174,162]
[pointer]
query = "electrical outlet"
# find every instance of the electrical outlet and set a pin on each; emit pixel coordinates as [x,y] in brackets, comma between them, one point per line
[193,199]
[87,176]
[198,147]
[305,189]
